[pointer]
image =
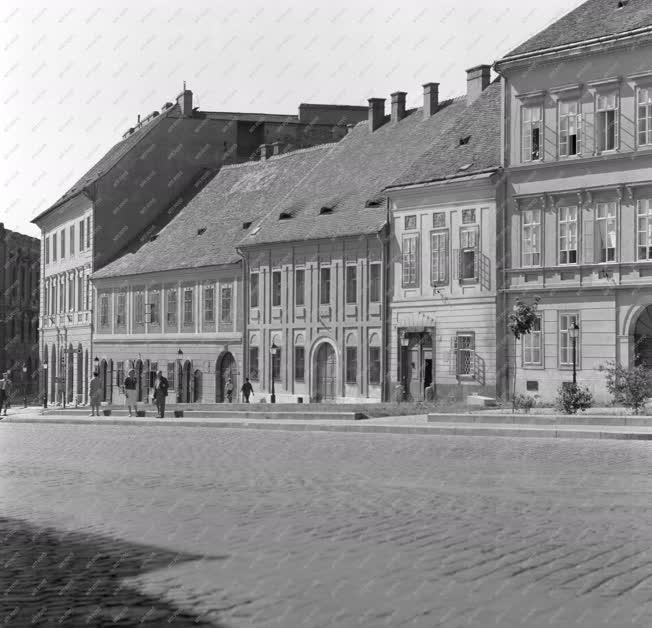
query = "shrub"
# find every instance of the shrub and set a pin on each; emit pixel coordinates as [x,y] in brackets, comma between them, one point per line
[629,387]
[571,398]
[524,402]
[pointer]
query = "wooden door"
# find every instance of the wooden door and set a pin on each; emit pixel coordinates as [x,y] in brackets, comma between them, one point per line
[325,372]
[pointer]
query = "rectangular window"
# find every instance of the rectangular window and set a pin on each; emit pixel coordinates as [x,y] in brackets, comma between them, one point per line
[62,243]
[72,240]
[276,288]
[299,287]
[299,363]
[468,216]
[104,310]
[568,235]
[54,247]
[276,365]
[374,283]
[209,304]
[439,258]
[82,238]
[644,228]
[139,307]
[607,121]
[62,296]
[439,220]
[570,121]
[71,294]
[120,313]
[155,307]
[80,292]
[226,305]
[409,261]
[351,365]
[47,249]
[469,254]
[253,290]
[324,286]
[171,310]
[566,322]
[410,222]
[253,364]
[531,133]
[605,232]
[187,306]
[465,351]
[170,376]
[88,232]
[531,250]
[374,365]
[351,284]
[532,344]
[644,116]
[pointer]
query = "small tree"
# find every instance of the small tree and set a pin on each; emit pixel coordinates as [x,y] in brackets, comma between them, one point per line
[571,398]
[520,322]
[629,387]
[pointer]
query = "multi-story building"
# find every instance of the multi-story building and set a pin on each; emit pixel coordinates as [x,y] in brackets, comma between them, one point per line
[19,296]
[137,186]
[444,255]
[578,146]
[316,294]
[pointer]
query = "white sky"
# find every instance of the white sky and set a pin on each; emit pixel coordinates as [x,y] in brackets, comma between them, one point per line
[76,75]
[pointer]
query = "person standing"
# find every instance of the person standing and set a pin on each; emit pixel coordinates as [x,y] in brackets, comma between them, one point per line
[160,393]
[246,390]
[229,390]
[5,391]
[129,387]
[95,393]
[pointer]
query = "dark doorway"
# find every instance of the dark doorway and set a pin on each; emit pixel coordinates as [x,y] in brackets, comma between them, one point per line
[226,369]
[325,372]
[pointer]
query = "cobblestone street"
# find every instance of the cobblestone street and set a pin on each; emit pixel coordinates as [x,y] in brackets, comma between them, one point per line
[114,525]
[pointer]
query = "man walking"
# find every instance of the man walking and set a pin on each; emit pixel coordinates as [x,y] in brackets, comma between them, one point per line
[247,389]
[95,394]
[5,391]
[160,393]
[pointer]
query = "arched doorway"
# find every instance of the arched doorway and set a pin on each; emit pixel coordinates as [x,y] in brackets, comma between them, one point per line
[325,372]
[197,391]
[643,340]
[186,382]
[70,375]
[225,368]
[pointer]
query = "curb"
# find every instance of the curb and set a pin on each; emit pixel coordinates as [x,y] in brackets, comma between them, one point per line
[440,430]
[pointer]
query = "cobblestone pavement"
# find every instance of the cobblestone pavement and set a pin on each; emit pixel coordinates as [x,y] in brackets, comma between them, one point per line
[242,528]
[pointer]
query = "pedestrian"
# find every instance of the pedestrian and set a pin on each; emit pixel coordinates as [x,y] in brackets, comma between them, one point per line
[5,391]
[229,390]
[160,393]
[96,393]
[129,388]
[247,389]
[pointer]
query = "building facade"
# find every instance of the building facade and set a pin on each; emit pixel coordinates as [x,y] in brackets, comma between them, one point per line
[134,190]
[19,290]
[578,146]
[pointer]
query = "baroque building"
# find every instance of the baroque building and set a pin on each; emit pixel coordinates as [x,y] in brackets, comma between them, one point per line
[578,224]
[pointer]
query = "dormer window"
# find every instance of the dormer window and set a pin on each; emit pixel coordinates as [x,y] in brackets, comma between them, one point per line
[246,225]
[325,210]
[374,202]
[531,132]
[201,230]
[284,216]
[464,140]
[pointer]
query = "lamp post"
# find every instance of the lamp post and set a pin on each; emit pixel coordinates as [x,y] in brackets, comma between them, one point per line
[272,352]
[180,360]
[574,332]
[45,392]
[24,386]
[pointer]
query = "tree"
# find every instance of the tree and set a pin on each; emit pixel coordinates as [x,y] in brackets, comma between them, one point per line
[520,322]
[629,387]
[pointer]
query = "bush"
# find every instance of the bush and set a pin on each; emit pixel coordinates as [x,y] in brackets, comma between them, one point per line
[571,398]
[628,387]
[524,402]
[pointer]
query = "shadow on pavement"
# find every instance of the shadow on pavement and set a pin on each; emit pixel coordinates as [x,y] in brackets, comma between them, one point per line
[50,577]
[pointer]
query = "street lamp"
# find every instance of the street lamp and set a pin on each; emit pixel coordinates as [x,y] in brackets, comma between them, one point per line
[24,386]
[574,332]
[273,350]
[45,393]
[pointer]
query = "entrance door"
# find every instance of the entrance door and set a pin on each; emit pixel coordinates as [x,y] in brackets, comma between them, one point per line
[427,374]
[227,369]
[325,372]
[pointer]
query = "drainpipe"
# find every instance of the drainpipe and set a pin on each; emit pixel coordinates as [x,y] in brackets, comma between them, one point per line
[245,317]
[385,302]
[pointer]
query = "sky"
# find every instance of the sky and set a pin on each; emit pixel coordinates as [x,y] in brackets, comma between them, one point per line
[75,76]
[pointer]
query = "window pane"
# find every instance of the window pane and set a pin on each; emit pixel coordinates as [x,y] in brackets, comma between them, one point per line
[351,284]
[187,306]
[276,288]
[374,365]
[351,365]
[253,290]
[253,363]
[374,283]
[209,305]
[325,286]
[299,287]
[299,365]
[226,304]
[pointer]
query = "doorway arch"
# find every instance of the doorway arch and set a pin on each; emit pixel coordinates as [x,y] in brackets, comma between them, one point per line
[325,372]
[186,383]
[225,368]
[643,338]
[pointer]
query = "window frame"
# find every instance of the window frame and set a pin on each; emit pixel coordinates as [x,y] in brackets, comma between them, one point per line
[71,235]
[139,308]
[647,131]
[81,236]
[560,223]
[529,126]
[458,354]
[599,221]
[533,342]
[300,289]
[254,375]
[562,332]
[437,280]
[647,217]
[206,309]
[254,289]
[121,309]
[171,313]
[375,366]
[325,279]
[299,361]
[616,123]
[155,298]
[351,365]
[351,284]
[577,119]
[375,283]
[104,311]
[277,288]
[226,314]
[475,229]
[535,227]
[188,306]
[410,222]
[410,260]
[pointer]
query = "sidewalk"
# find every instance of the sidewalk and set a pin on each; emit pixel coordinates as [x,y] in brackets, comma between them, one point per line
[416,424]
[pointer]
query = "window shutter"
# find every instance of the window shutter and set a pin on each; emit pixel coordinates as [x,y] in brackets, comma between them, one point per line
[476,262]
[452,359]
[588,239]
[588,135]
[580,133]
[446,259]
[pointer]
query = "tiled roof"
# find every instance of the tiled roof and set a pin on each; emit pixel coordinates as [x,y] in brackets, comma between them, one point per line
[236,195]
[352,172]
[594,18]
[472,144]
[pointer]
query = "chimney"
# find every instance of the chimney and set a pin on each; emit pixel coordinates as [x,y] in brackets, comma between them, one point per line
[477,80]
[398,106]
[184,100]
[430,99]
[376,113]
[265,151]
[276,148]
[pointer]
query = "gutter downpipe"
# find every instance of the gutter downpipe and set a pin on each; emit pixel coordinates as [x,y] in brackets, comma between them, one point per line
[245,317]
[385,302]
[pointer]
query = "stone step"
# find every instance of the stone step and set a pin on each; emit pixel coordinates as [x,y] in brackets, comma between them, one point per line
[540,419]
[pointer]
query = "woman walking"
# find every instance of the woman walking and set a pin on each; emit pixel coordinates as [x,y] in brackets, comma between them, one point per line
[129,387]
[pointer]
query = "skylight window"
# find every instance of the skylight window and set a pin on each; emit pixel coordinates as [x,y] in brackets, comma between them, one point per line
[246,225]
[373,202]
[464,140]
[284,216]
[201,230]
[325,210]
